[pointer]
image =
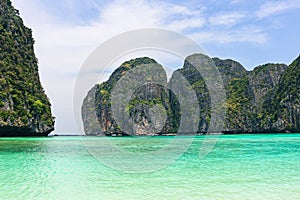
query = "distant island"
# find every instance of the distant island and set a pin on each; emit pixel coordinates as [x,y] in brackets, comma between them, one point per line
[264,100]
[24,107]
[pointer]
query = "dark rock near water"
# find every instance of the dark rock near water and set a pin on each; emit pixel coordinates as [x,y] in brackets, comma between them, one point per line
[24,106]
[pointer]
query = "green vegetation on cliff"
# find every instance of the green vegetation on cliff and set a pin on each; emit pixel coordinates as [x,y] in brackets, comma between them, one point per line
[24,107]
[284,104]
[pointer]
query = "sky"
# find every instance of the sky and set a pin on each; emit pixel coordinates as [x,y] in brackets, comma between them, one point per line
[67,31]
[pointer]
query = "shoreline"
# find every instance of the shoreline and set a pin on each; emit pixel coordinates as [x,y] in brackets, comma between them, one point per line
[168,135]
[154,135]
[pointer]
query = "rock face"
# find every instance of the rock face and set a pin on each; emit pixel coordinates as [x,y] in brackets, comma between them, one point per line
[24,106]
[283,103]
[89,115]
[265,99]
[246,95]
[97,106]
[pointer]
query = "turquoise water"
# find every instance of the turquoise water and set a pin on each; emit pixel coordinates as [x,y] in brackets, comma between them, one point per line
[238,167]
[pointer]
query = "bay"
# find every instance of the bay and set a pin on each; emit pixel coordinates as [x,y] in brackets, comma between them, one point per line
[260,166]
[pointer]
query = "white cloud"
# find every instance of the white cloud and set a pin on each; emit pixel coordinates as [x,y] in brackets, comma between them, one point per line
[236,1]
[227,19]
[275,7]
[184,24]
[62,46]
[246,34]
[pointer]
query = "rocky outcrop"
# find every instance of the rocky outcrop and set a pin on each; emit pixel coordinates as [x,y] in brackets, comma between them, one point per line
[24,106]
[283,103]
[263,79]
[139,108]
[89,116]
[246,96]
[265,99]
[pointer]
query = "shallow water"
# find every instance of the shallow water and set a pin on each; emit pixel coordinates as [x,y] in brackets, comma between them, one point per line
[238,167]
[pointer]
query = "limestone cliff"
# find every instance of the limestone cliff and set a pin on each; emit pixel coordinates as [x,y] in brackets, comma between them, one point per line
[283,103]
[24,106]
[98,104]
[265,99]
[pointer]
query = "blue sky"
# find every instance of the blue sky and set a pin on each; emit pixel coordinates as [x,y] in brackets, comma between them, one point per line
[67,31]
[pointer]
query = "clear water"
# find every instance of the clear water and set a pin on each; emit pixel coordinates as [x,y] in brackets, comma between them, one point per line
[239,167]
